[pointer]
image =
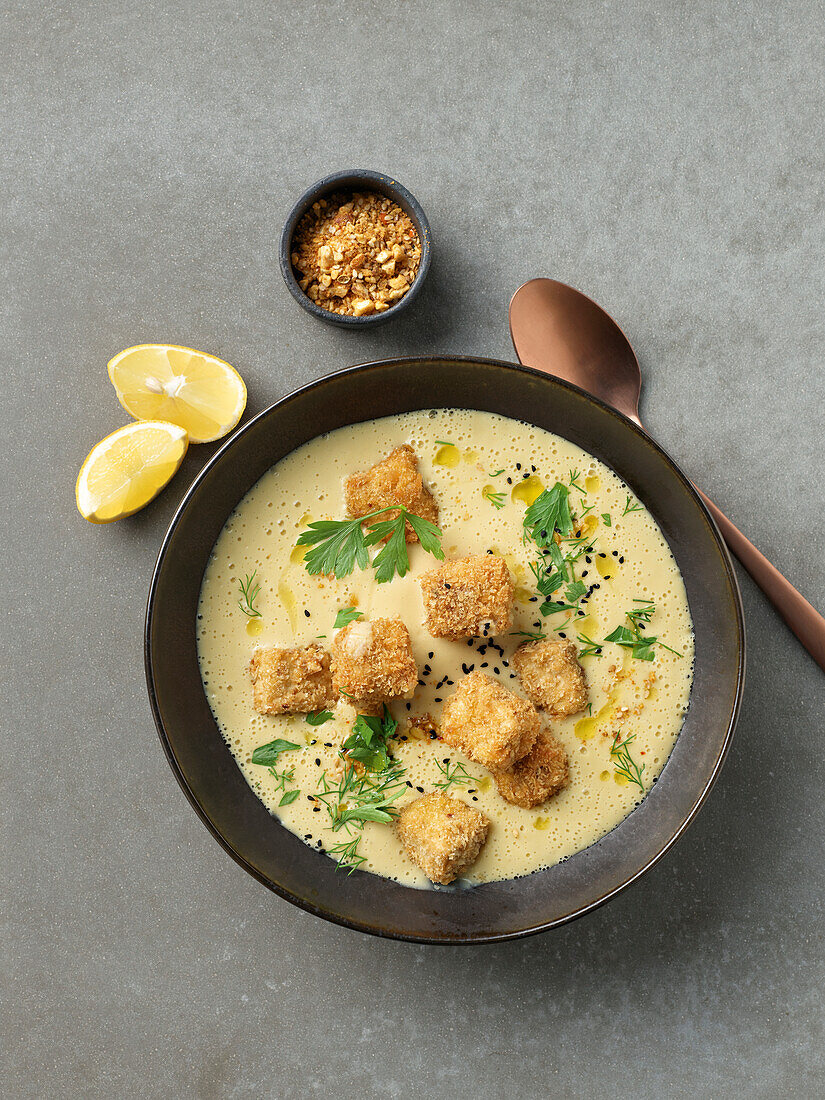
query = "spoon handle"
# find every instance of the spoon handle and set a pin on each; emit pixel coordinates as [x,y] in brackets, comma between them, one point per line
[801,617]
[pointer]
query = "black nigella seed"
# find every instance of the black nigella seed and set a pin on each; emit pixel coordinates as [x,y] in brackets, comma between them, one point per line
[595,586]
[408,783]
[537,624]
[437,699]
[621,561]
[588,560]
[562,634]
[433,735]
[525,475]
[518,465]
[446,760]
[534,599]
[316,809]
[431,655]
[318,761]
[308,836]
[451,683]
[470,642]
[420,790]
[447,586]
[584,572]
[409,705]
[615,553]
[602,555]
[484,664]
[607,576]
[475,799]
[306,612]
[533,468]
[509,481]
[497,671]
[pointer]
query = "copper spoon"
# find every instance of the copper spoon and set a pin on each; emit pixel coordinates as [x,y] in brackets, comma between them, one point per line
[558,330]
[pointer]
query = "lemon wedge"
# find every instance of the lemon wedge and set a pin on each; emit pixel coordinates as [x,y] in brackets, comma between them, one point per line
[201,394]
[127,469]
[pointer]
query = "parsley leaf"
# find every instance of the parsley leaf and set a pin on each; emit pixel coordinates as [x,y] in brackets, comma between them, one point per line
[338,545]
[268,754]
[550,510]
[608,522]
[319,717]
[368,741]
[347,615]
[289,797]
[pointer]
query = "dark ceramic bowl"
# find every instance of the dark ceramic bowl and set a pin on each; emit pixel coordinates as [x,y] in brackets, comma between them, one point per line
[355,180]
[494,911]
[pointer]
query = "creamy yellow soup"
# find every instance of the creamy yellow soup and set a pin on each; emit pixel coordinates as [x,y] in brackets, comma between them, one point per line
[484,470]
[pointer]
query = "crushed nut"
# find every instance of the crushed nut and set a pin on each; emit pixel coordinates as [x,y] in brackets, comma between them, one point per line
[355,254]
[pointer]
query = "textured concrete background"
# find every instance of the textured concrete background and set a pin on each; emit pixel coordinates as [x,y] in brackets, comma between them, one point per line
[665,157]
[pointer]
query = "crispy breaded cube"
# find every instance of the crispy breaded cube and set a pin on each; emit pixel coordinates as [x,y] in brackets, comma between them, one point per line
[291,681]
[551,676]
[468,597]
[393,480]
[373,661]
[543,772]
[489,723]
[442,835]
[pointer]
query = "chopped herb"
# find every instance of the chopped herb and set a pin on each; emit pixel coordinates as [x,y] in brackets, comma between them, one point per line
[347,615]
[625,764]
[368,741]
[589,647]
[453,774]
[496,499]
[632,638]
[550,510]
[606,520]
[338,545]
[250,589]
[497,473]
[289,797]
[629,507]
[318,717]
[535,635]
[445,443]
[353,801]
[268,754]
[348,854]
[573,481]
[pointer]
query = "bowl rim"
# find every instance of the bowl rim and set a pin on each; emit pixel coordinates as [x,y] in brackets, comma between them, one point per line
[356,925]
[326,185]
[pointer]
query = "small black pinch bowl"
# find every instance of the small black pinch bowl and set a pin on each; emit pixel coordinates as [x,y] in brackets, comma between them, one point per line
[493,911]
[355,179]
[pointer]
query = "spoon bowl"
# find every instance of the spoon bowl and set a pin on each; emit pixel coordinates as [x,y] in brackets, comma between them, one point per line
[551,321]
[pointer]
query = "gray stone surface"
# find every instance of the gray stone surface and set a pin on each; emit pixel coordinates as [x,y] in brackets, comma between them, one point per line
[666,158]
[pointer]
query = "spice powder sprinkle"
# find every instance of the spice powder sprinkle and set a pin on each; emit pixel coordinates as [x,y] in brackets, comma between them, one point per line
[355,254]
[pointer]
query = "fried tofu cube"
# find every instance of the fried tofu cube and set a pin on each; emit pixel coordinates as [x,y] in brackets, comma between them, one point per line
[393,480]
[291,681]
[539,775]
[373,661]
[442,835]
[489,723]
[551,676]
[468,597]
